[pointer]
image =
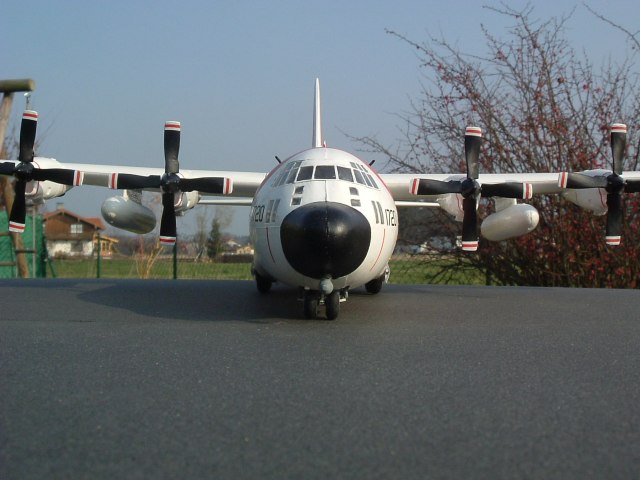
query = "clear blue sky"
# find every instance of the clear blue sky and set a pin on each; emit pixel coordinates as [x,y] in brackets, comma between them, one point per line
[238,75]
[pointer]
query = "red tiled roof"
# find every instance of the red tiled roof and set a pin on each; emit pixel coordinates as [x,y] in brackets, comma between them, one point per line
[95,221]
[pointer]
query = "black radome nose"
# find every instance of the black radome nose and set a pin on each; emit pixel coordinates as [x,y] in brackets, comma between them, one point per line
[325,239]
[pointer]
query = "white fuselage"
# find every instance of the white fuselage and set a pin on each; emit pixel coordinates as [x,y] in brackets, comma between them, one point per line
[323,177]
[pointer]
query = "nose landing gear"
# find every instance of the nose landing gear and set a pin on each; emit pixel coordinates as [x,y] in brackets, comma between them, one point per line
[312,299]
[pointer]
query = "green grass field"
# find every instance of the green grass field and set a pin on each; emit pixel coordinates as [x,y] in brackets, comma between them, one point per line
[407,270]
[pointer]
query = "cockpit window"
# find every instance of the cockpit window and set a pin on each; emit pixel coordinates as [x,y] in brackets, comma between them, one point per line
[304,173]
[344,173]
[358,173]
[325,172]
[373,182]
[287,169]
[292,175]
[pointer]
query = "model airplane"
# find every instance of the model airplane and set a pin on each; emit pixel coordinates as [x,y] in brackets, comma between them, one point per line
[322,220]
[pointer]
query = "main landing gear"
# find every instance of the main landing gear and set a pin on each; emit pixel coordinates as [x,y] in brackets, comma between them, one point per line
[374,286]
[312,299]
[262,283]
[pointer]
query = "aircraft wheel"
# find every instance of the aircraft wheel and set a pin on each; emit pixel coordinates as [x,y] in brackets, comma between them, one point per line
[263,284]
[332,303]
[374,286]
[311,300]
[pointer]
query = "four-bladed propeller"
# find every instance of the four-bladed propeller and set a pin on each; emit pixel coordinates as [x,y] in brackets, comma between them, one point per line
[26,171]
[614,184]
[470,189]
[170,183]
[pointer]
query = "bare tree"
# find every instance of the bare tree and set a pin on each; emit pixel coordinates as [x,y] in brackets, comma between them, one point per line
[543,108]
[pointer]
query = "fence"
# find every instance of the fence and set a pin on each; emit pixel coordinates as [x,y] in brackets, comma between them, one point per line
[412,269]
[159,267]
[34,248]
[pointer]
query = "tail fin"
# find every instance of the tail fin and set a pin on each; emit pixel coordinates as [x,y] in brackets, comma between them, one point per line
[318,141]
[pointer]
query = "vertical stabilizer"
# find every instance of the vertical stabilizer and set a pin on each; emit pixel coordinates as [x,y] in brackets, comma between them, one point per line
[318,141]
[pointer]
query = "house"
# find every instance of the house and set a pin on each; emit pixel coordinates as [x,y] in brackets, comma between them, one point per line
[71,235]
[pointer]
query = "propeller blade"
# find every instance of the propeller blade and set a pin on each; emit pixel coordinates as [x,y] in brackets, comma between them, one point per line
[469,225]
[618,145]
[507,190]
[7,168]
[580,180]
[424,186]
[28,135]
[220,185]
[614,218]
[168,221]
[171,147]
[18,211]
[632,186]
[128,181]
[58,175]
[472,141]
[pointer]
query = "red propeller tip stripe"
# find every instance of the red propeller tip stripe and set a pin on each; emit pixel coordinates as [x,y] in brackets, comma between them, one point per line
[528,191]
[228,186]
[113,181]
[30,115]
[414,186]
[175,126]
[16,227]
[613,240]
[167,240]
[619,128]
[475,131]
[470,246]
[562,180]
[78,178]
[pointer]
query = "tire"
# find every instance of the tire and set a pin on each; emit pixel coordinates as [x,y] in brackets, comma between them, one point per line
[374,286]
[332,304]
[262,283]
[311,300]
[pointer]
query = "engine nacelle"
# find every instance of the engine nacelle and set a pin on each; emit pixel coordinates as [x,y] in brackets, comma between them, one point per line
[128,215]
[594,199]
[39,192]
[510,222]
[185,201]
[452,204]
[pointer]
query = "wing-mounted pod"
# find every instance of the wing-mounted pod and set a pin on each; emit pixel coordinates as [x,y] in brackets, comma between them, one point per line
[599,183]
[26,171]
[171,183]
[511,220]
[128,213]
[463,195]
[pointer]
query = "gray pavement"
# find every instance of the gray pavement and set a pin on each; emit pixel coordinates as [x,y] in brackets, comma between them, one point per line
[166,379]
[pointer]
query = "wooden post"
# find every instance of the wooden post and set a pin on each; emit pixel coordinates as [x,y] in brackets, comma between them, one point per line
[8,87]
[7,189]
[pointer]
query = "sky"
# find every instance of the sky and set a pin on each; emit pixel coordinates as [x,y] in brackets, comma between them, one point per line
[238,74]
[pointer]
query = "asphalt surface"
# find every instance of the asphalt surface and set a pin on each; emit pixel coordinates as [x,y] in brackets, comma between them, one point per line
[179,379]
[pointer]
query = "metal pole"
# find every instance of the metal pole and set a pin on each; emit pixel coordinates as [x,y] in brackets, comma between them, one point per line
[98,266]
[34,247]
[175,260]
